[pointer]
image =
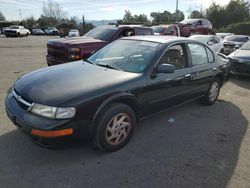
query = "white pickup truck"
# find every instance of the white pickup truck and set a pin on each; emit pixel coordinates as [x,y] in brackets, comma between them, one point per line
[16,30]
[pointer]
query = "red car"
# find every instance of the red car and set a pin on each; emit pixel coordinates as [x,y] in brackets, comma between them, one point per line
[185,28]
[195,26]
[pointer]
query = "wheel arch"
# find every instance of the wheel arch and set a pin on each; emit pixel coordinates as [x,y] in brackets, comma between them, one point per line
[124,98]
[220,76]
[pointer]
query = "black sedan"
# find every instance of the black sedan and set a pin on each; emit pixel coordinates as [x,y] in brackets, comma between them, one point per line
[105,96]
[240,60]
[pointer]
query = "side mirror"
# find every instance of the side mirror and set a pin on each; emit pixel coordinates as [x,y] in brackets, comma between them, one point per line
[237,47]
[209,43]
[165,68]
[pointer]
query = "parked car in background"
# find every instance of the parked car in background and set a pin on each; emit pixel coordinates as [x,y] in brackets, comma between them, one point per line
[73,33]
[240,60]
[214,42]
[104,97]
[231,43]
[72,49]
[190,27]
[16,30]
[173,30]
[223,35]
[51,31]
[37,32]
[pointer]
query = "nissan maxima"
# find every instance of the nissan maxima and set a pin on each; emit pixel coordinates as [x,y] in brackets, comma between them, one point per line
[103,97]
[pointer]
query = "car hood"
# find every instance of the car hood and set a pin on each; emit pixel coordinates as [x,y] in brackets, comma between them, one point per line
[76,40]
[242,54]
[233,43]
[62,84]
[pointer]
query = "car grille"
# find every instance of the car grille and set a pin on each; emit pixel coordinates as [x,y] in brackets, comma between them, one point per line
[23,102]
[57,52]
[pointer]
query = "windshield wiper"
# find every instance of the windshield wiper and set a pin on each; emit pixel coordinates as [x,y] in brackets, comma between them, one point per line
[88,61]
[108,66]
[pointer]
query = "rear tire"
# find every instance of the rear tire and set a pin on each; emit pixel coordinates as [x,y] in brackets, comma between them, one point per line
[213,92]
[115,127]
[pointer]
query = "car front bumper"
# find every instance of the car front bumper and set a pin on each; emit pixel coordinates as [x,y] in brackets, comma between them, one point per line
[26,121]
[240,68]
[52,61]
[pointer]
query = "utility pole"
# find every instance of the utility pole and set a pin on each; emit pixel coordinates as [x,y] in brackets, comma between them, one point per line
[20,12]
[176,5]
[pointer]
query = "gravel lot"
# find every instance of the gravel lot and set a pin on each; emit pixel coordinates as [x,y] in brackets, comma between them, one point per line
[203,147]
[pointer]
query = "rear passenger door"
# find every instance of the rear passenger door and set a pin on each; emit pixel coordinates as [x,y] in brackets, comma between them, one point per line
[203,67]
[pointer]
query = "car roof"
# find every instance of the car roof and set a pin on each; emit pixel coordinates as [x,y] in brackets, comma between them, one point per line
[160,39]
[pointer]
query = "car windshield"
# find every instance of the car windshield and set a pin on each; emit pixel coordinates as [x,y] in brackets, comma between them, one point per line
[127,55]
[236,38]
[73,30]
[246,46]
[158,29]
[13,27]
[102,32]
[203,39]
[188,21]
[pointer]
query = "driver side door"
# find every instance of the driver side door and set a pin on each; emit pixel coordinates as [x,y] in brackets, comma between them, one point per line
[166,90]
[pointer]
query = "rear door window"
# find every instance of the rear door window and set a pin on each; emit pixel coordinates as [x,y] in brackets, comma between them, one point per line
[198,54]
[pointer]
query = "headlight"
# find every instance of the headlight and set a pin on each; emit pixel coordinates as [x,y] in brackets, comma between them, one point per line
[53,112]
[74,56]
[74,49]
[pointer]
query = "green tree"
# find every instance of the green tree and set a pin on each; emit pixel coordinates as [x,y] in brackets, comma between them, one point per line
[2,17]
[128,17]
[30,22]
[236,11]
[217,15]
[195,14]
[167,17]
[178,16]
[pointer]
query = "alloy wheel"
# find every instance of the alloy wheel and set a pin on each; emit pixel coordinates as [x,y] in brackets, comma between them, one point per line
[118,129]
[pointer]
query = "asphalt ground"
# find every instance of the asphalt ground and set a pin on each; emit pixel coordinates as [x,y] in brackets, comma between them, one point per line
[190,146]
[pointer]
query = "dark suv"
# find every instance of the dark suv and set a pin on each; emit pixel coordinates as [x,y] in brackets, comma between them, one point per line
[72,49]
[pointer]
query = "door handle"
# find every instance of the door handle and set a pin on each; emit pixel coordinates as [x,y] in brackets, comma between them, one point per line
[187,75]
[214,69]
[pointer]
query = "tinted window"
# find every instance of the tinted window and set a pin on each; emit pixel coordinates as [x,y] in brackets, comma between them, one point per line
[159,29]
[198,54]
[246,46]
[175,55]
[237,38]
[102,33]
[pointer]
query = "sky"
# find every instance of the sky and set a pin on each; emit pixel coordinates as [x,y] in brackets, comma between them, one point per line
[101,9]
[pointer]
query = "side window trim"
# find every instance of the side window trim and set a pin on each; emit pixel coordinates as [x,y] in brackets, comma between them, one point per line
[206,48]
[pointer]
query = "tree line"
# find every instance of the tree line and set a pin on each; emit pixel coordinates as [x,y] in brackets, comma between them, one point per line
[221,17]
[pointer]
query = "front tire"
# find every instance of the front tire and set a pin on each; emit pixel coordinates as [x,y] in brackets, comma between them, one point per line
[115,127]
[212,93]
